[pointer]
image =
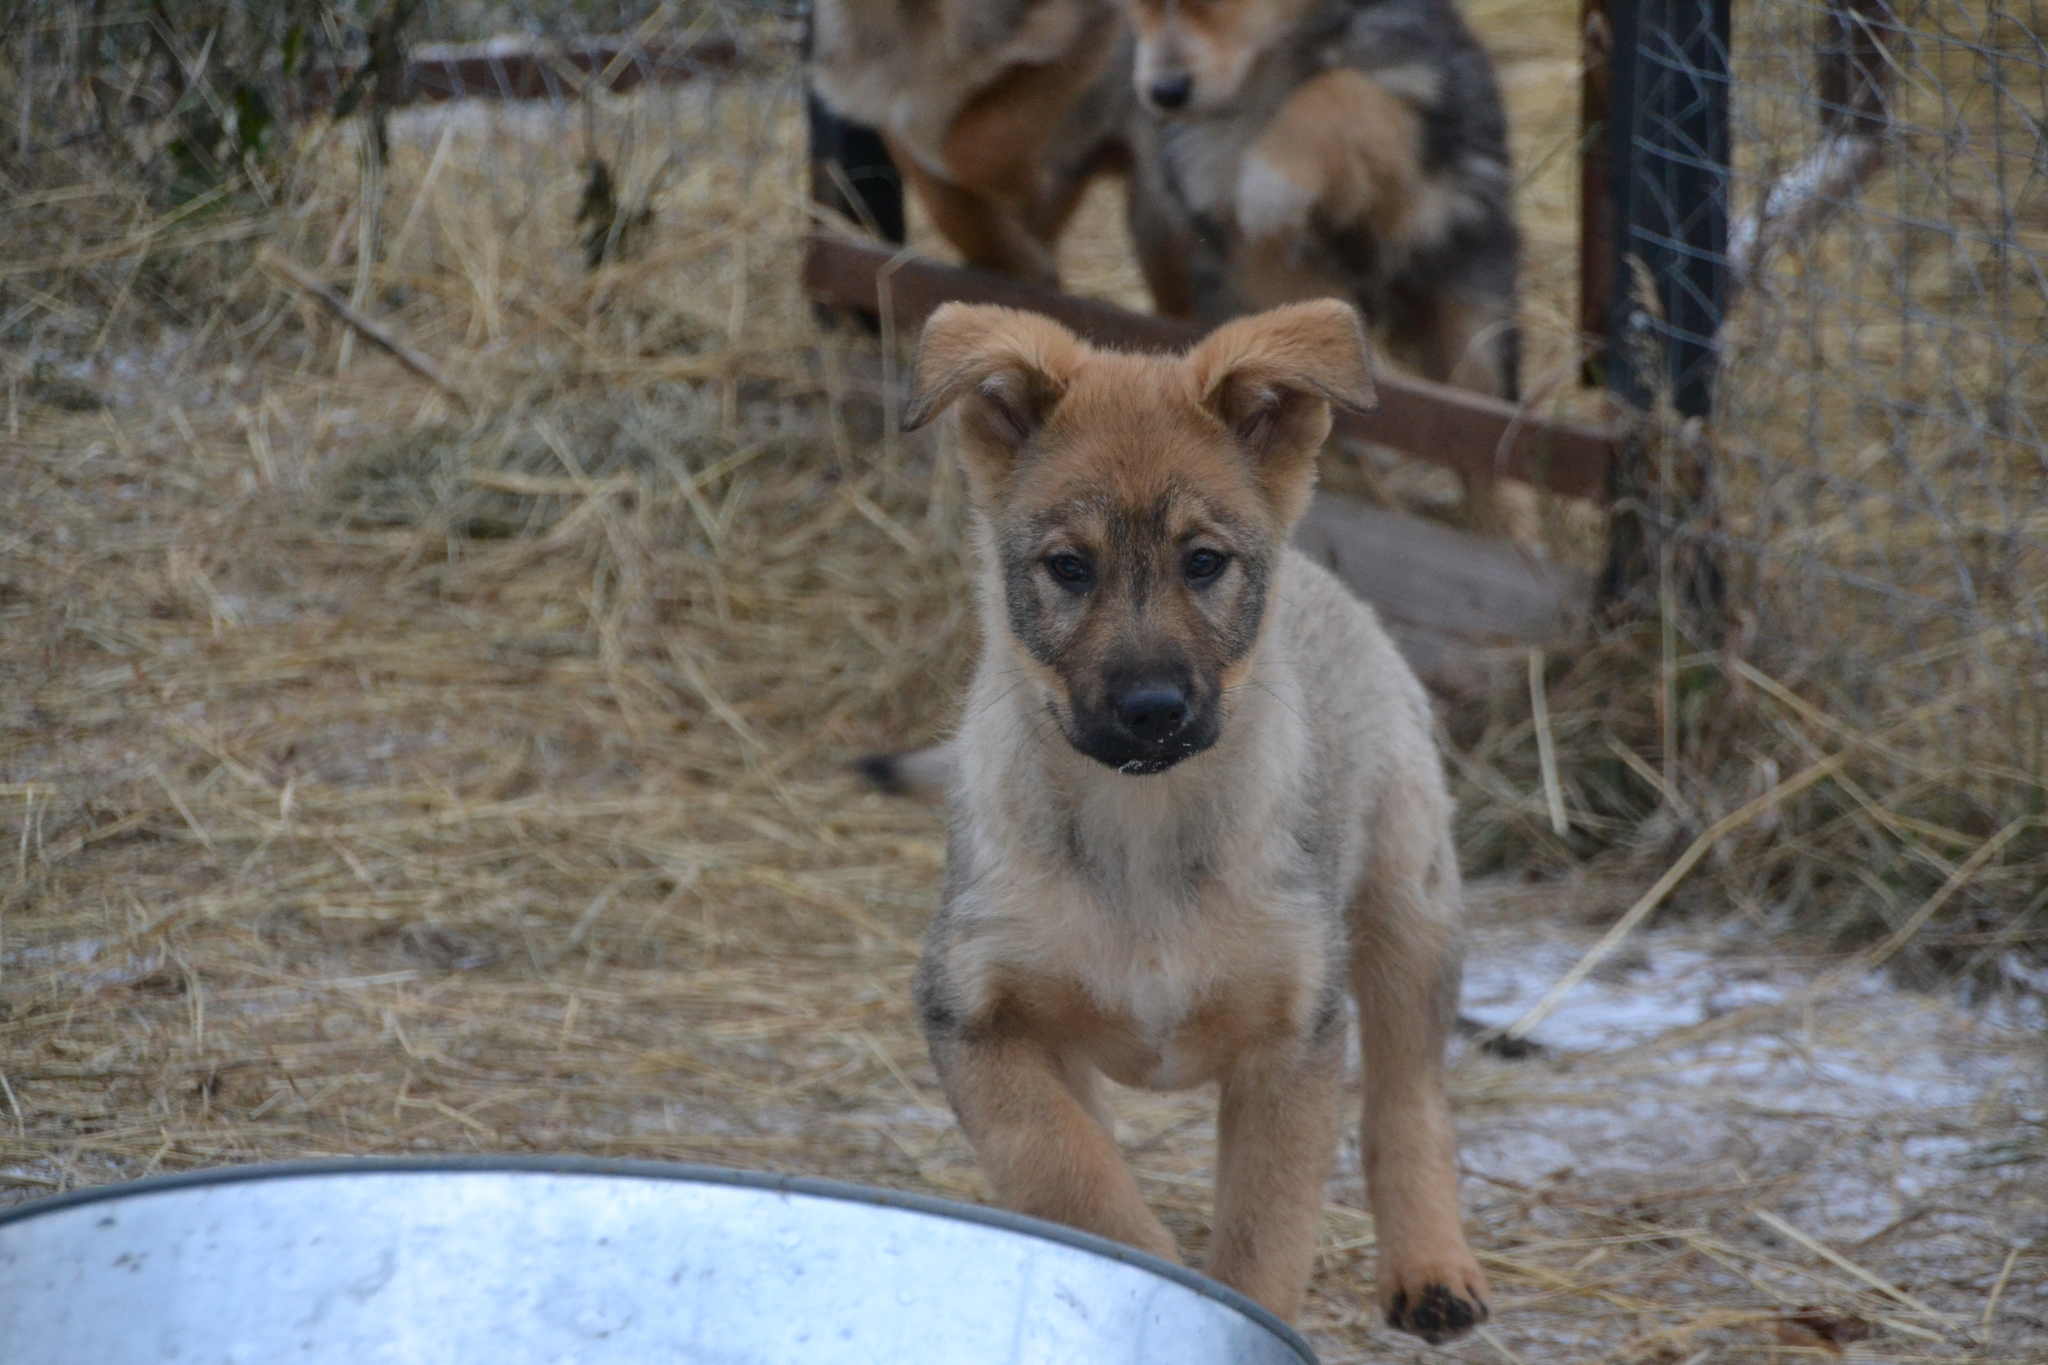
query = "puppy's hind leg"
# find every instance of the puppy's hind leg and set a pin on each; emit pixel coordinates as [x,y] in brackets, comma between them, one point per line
[1046,1149]
[1277,1136]
[1404,976]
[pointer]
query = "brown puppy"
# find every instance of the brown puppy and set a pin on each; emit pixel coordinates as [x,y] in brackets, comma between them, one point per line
[999,113]
[1197,800]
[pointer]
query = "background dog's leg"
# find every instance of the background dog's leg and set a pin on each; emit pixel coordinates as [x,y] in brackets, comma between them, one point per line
[1016,142]
[980,229]
[1477,347]
[863,166]
[852,175]
[1165,244]
[1342,150]
[1086,1082]
[1044,1150]
[997,204]
[1277,1135]
[1472,345]
[1404,976]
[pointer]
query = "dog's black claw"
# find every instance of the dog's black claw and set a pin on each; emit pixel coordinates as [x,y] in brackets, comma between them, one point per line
[1436,1316]
[1512,1049]
[1495,1043]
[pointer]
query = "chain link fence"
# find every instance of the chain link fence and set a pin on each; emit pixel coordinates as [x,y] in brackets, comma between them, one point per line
[1831,238]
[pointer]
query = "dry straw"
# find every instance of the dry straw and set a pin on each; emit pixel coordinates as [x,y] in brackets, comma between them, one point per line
[381,770]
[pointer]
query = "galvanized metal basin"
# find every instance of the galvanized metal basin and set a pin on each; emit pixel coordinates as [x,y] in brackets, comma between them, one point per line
[554,1261]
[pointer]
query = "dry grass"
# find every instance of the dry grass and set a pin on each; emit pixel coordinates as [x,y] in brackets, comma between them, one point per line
[380,771]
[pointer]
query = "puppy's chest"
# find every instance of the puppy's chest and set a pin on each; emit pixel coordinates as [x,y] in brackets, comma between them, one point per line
[1177,978]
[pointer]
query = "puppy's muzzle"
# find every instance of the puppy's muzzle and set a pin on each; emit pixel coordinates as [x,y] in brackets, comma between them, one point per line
[1144,727]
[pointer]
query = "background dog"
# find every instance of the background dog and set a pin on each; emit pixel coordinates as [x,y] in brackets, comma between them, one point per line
[999,113]
[1332,148]
[1326,148]
[1198,799]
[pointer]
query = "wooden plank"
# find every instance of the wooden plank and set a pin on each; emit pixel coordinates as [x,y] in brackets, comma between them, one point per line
[1462,610]
[1422,574]
[857,275]
[1435,422]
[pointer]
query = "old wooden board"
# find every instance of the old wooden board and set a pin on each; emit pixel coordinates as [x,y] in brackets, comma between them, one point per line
[1423,574]
[1447,426]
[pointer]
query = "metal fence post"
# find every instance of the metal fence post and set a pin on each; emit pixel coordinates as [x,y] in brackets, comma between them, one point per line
[1669,147]
[1596,195]
[1667,81]
[851,171]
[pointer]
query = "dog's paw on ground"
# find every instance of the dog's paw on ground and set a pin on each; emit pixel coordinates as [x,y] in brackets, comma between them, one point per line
[1436,1313]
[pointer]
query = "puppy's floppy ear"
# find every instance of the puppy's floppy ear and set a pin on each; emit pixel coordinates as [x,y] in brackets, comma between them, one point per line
[1272,378]
[1010,367]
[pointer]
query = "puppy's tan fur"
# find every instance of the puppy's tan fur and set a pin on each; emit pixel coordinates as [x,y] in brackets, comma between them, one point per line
[998,114]
[1203,923]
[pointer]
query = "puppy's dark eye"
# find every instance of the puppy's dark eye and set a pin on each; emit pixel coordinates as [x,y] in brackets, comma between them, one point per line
[1070,569]
[1204,564]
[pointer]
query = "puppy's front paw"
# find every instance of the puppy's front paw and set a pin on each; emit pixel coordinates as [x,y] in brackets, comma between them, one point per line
[1435,1304]
[1270,203]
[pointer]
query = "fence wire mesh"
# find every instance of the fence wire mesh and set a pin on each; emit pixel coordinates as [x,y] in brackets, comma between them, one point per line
[1878,430]
[235,120]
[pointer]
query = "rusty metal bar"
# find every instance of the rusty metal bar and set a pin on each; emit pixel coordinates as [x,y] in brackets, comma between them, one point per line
[1447,426]
[1596,199]
[524,71]
[1853,70]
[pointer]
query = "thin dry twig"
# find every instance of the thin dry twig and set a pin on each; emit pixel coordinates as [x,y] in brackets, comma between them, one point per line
[372,331]
[1546,746]
[1841,1262]
[1663,887]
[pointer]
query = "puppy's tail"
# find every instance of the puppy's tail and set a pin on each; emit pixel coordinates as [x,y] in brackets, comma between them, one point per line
[922,774]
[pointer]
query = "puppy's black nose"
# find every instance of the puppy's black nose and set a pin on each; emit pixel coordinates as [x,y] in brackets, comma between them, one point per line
[1171,92]
[1152,712]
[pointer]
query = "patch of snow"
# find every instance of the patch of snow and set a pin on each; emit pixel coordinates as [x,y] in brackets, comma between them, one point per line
[1709,1060]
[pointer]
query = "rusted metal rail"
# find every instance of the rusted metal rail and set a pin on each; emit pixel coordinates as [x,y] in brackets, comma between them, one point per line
[1434,422]
[522,70]
[1596,202]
